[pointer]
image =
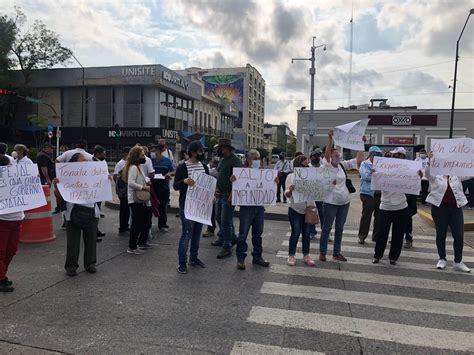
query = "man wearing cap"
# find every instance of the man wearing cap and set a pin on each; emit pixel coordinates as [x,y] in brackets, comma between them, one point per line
[370,198]
[46,164]
[223,193]
[425,183]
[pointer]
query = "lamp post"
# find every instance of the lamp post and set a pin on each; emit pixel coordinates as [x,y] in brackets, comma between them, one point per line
[82,95]
[311,125]
[451,124]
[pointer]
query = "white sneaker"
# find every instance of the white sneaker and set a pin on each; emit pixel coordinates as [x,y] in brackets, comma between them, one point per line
[137,251]
[461,267]
[441,264]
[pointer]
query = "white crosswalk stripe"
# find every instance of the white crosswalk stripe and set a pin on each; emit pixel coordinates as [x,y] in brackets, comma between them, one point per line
[354,233]
[364,328]
[401,281]
[245,348]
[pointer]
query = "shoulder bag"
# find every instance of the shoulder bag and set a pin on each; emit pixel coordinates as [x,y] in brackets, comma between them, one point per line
[349,185]
[142,196]
[311,215]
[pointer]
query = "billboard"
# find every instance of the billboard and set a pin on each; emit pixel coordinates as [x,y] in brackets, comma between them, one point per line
[227,87]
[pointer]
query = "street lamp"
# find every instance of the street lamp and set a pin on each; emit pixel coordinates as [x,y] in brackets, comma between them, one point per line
[82,94]
[455,75]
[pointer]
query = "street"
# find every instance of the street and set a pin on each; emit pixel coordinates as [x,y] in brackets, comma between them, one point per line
[140,304]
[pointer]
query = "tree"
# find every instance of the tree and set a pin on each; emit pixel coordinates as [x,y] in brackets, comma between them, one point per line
[290,149]
[8,32]
[276,150]
[38,124]
[263,152]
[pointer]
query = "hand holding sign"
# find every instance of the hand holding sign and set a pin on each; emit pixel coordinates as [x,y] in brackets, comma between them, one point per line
[200,198]
[351,135]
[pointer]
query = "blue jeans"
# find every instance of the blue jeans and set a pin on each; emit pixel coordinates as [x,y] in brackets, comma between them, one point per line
[331,213]
[250,217]
[190,231]
[224,217]
[298,227]
[319,206]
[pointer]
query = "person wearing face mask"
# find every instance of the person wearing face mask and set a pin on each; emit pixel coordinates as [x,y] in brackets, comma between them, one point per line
[164,171]
[370,199]
[99,154]
[337,200]
[140,205]
[81,147]
[315,159]
[20,155]
[425,183]
[251,217]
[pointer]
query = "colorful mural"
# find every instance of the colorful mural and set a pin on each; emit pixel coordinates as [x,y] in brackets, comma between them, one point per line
[227,87]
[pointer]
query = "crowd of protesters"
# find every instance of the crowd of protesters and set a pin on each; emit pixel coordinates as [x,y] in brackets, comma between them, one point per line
[143,179]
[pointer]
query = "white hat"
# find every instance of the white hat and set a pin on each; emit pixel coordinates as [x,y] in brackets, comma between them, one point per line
[399,150]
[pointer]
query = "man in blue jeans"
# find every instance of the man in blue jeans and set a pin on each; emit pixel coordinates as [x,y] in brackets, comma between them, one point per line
[223,193]
[251,217]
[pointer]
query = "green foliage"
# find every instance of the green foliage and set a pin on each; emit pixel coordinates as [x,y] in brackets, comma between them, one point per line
[39,120]
[277,150]
[290,149]
[32,154]
[7,37]
[263,152]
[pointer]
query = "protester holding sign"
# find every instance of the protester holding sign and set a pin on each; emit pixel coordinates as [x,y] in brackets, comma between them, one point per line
[284,168]
[190,230]
[337,200]
[139,200]
[81,147]
[297,217]
[253,216]
[315,159]
[121,188]
[447,199]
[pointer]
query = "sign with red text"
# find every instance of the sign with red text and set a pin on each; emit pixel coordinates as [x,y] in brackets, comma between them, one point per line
[396,175]
[84,182]
[452,157]
[350,135]
[254,187]
[200,198]
[20,188]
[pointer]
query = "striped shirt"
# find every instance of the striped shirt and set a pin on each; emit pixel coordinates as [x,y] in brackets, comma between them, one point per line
[194,168]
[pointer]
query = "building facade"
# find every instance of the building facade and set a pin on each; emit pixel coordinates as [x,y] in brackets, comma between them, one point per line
[278,134]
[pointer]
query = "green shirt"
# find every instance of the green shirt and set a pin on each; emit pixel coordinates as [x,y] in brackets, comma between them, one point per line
[225,172]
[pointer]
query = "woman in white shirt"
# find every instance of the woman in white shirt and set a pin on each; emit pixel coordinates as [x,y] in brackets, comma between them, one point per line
[337,199]
[447,199]
[296,215]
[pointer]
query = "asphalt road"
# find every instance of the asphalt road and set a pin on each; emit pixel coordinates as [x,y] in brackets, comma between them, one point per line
[140,304]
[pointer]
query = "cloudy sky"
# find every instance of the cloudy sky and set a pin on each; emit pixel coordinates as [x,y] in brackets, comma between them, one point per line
[402,50]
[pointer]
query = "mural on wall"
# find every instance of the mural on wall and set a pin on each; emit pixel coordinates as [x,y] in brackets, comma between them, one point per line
[227,87]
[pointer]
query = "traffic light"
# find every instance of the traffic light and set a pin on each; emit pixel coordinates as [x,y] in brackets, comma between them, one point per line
[7,92]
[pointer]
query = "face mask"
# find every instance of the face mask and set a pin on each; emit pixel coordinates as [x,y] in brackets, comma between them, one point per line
[14,155]
[153,155]
[255,164]
[422,156]
[315,160]
[336,161]
[142,161]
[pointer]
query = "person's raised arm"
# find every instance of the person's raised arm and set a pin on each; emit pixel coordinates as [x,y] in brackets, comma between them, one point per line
[328,151]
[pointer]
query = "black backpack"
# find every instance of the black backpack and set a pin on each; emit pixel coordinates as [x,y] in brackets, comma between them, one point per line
[121,187]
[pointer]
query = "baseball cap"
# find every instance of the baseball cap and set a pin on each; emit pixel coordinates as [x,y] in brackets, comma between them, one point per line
[195,146]
[375,149]
[47,145]
[399,150]
[317,151]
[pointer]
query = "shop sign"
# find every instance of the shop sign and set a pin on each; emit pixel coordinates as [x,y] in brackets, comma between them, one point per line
[139,71]
[175,79]
[401,120]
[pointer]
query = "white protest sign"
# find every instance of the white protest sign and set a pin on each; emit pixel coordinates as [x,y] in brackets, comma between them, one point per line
[254,187]
[452,157]
[350,135]
[200,198]
[20,188]
[84,182]
[311,184]
[396,175]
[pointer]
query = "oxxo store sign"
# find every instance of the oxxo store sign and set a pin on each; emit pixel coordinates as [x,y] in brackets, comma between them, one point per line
[401,120]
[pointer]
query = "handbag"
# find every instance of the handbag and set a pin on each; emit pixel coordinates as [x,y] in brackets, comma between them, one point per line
[349,185]
[311,215]
[142,196]
[82,216]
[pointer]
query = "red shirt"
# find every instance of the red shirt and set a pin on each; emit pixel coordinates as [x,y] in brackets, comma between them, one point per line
[449,200]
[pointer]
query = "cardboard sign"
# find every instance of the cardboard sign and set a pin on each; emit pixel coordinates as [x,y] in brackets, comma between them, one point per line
[311,184]
[452,157]
[350,135]
[254,187]
[200,198]
[84,182]
[396,175]
[20,188]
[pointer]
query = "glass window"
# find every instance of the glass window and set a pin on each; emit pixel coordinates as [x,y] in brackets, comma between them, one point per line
[163,98]
[185,105]
[163,123]
[185,126]
[171,123]
[170,100]
[179,103]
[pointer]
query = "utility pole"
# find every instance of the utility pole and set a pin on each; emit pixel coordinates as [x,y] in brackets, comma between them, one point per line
[311,125]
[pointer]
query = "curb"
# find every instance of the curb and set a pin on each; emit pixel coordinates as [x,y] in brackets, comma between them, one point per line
[173,210]
[426,216]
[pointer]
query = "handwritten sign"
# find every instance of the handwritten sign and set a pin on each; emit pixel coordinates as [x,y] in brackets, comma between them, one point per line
[311,184]
[396,175]
[254,187]
[20,188]
[350,135]
[452,157]
[200,198]
[84,182]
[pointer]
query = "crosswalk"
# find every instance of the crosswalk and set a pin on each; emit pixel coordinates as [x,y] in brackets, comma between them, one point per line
[411,307]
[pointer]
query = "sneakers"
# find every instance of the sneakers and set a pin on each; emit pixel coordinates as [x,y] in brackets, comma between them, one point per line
[393,262]
[208,234]
[224,253]
[361,240]
[164,230]
[260,261]
[308,260]
[135,251]
[291,260]
[375,261]
[197,263]
[240,265]
[71,273]
[322,257]
[441,264]
[145,246]
[339,258]
[461,267]
[409,245]
[182,269]
[5,287]
[91,269]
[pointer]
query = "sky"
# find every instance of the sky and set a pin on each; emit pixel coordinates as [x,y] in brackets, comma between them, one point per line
[403,50]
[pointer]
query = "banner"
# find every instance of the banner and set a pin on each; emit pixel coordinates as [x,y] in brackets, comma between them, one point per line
[200,199]
[84,182]
[20,188]
[254,187]
[396,175]
[452,157]
[311,184]
[350,135]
